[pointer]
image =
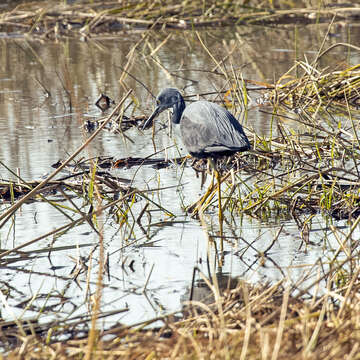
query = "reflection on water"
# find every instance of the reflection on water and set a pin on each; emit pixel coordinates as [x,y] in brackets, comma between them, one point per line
[47,91]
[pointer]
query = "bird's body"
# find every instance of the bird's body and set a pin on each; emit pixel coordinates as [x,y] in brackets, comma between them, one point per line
[207,129]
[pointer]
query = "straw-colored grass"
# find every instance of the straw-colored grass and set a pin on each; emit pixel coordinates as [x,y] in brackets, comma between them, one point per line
[319,89]
[46,20]
[246,323]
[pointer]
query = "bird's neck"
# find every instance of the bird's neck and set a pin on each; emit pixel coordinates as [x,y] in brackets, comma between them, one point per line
[178,109]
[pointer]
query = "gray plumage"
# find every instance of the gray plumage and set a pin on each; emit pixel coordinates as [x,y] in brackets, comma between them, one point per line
[207,129]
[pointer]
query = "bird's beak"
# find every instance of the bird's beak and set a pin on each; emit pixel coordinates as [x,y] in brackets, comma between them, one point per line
[156,112]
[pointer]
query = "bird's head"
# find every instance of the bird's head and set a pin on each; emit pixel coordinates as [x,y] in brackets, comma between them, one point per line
[168,98]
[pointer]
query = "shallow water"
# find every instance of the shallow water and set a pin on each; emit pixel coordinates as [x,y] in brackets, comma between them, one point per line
[41,123]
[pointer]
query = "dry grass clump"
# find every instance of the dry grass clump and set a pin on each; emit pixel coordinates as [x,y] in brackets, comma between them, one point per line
[319,89]
[313,170]
[247,322]
[91,18]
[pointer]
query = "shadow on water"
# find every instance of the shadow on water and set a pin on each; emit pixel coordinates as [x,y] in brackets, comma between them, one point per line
[48,92]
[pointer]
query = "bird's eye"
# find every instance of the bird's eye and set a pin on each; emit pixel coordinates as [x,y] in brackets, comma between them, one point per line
[157,102]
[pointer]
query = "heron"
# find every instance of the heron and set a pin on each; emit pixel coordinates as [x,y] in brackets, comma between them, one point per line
[207,129]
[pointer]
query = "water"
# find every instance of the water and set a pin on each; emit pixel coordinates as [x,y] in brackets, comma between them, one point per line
[48,89]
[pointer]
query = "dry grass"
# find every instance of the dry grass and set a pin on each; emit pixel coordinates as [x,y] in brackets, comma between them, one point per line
[246,322]
[92,18]
[319,89]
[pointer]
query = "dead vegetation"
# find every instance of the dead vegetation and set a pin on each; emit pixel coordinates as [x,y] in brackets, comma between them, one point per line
[319,90]
[88,19]
[246,322]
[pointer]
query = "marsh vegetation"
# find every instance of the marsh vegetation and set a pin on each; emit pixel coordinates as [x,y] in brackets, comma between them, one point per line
[105,249]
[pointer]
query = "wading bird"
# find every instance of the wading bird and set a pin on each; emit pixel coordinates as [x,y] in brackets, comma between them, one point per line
[207,129]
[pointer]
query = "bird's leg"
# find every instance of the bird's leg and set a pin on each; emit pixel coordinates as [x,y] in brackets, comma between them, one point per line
[203,202]
[218,179]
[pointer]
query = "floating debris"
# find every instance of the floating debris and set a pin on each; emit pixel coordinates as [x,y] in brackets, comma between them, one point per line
[104,102]
[155,163]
